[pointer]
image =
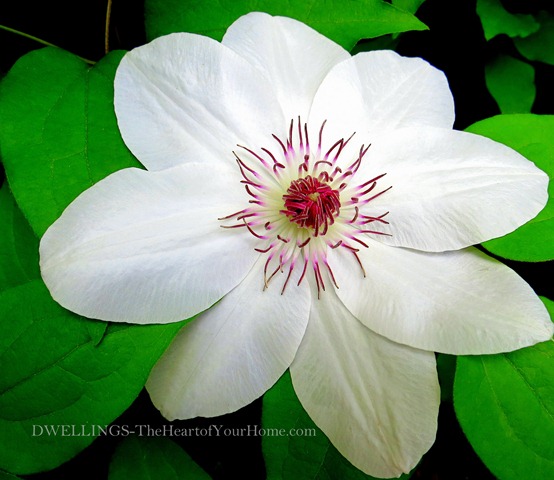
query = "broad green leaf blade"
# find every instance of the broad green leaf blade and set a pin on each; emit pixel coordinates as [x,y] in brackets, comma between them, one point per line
[505,405]
[530,135]
[18,244]
[345,21]
[496,20]
[294,447]
[512,84]
[148,458]
[59,133]
[7,476]
[62,370]
[408,5]
[540,45]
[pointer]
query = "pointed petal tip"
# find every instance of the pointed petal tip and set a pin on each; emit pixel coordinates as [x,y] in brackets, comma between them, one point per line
[376,400]
[459,303]
[293,57]
[233,353]
[121,251]
[184,96]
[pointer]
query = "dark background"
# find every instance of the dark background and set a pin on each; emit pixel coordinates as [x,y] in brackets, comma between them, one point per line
[455,44]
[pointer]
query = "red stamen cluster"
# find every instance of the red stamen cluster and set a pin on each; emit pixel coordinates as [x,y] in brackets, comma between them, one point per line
[311,204]
[302,204]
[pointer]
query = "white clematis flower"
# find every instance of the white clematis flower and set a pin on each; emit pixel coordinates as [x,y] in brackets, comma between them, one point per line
[327,203]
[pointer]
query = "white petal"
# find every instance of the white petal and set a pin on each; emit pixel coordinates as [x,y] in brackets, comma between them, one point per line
[451,189]
[376,400]
[146,247]
[187,98]
[233,353]
[380,91]
[292,56]
[460,302]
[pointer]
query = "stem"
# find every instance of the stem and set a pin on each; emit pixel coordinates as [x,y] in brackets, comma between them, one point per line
[107,29]
[26,35]
[39,40]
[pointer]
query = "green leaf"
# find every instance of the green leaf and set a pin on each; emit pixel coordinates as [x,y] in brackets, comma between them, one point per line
[147,458]
[7,476]
[505,405]
[496,20]
[512,84]
[294,447]
[408,5]
[59,133]
[18,244]
[62,375]
[539,46]
[530,135]
[344,21]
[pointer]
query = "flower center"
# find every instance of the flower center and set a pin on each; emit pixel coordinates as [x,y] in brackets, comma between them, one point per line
[311,204]
[306,201]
